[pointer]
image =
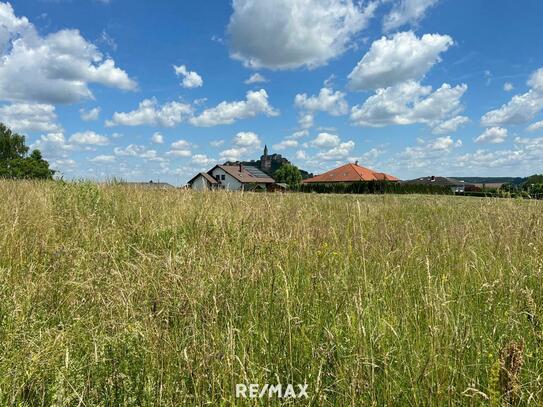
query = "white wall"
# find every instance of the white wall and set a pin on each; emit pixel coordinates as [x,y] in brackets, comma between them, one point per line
[200,184]
[229,182]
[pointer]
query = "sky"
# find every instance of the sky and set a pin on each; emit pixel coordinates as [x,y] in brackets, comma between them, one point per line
[141,90]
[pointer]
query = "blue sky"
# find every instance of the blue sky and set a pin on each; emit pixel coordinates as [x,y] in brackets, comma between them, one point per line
[161,90]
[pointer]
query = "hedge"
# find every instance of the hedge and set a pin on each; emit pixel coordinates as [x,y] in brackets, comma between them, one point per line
[374,187]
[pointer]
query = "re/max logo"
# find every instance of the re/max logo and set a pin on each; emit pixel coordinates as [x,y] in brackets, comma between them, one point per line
[254,391]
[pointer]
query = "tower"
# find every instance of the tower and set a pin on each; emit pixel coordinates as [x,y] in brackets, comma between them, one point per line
[265,161]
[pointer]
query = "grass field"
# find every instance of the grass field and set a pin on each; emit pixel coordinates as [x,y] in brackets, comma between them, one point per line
[112,295]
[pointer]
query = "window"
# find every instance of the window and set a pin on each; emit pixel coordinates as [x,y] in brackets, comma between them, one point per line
[218,177]
[223,177]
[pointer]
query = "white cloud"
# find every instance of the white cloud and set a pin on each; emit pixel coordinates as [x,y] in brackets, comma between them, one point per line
[181,145]
[244,143]
[150,113]
[286,34]
[428,152]
[56,68]
[90,115]
[333,103]
[397,59]
[228,112]
[180,153]
[306,120]
[284,144]
[535,126]
[103,159]
[493,135]
[134,150]
[30,117]
[298,135]
[191,79]
[202,159]
[256,78]
[216,143]
[521,108]
[247,139]
[89,138]
[326,140]
[157,138]
[451,125]
[53,145]
[406,12]
[339,152]
[301,155]
[409,103]
[508,86]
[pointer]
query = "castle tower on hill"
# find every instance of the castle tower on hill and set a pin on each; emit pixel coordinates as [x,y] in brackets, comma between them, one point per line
[265,161]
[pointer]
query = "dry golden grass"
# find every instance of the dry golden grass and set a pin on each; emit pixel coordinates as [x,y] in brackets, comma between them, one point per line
[111,295]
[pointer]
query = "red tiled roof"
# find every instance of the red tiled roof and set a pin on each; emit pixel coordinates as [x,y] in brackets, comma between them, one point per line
[350,173]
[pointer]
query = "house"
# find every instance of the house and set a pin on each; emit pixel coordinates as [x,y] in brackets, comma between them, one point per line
[457,186]
[232,178]
[350,173]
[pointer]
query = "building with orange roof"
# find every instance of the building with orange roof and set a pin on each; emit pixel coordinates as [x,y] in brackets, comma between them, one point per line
[348,173]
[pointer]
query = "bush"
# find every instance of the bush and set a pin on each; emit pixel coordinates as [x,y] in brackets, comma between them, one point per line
[375,187]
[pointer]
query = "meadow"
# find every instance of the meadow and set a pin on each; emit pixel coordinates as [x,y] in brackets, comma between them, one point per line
[121,296]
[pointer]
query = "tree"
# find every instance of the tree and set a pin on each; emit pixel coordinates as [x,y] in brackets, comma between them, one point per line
[14,159]
[289,174]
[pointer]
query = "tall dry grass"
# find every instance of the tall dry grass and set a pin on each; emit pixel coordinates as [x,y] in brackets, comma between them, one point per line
[111,295]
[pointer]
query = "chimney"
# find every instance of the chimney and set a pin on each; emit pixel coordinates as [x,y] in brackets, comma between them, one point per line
[356,162]
[240,167]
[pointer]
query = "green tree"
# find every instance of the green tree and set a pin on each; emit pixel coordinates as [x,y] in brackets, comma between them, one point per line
[15,161]
[289,174]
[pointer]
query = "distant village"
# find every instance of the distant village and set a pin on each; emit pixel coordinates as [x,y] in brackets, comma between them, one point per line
[257,175]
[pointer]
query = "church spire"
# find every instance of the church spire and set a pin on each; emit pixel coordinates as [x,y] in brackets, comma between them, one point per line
[265,150]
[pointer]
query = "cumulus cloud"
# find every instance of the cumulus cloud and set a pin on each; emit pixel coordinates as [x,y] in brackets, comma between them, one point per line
[427,151]
[508,86]
[103,159]
[409,103]
[243,144]
[24,117]
[202,160]
[327,100]
[138,151]
[286,34]
[493,135]
[157,138]
[256,103]
[255,78]
[399,58]
[90,115]
[89,138]
[339,152]
[56,68]
[298,135]
[150,113]
[306,120]
[535,126]
[406,12]
[284,144]
[191,79]
[451,125]
[521,108]
[326,140]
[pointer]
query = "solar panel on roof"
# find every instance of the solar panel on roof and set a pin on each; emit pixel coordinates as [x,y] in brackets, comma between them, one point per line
[256,172]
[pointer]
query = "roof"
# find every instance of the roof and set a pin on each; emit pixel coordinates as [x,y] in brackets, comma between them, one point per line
[245,175]
[206,176]
[433,180]
[350,173]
